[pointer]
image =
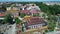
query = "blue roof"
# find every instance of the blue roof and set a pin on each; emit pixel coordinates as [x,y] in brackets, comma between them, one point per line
[26,0]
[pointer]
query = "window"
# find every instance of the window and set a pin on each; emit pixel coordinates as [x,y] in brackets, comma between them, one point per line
[29,27]
[33,26]
[36,26]
[39,26]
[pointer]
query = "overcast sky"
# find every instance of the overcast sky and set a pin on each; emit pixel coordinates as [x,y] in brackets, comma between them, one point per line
[26,0]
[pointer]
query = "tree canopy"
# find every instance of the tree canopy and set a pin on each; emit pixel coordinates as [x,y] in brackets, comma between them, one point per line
[51,9]
[17,20]
[8,19]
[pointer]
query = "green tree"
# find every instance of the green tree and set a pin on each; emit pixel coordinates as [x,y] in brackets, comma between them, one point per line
[35,15]
[44,16]
[51,26]
[22,15]
[8,19]
[17,20]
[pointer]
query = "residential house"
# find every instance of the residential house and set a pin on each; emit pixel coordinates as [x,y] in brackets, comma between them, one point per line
[33,9]
[26,12]
[28,6]
[2,14]
[23,7]
[33,6]
[34,24]
[13,11]
[34,12]
[18,5]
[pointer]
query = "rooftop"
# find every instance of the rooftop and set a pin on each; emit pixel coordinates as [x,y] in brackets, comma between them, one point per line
[34,11]
[25,11]
[35,20]
[2,13]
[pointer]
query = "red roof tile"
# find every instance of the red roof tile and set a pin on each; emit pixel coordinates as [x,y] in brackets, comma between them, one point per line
[34,11]
[25,11]
[2,14]
[29,11]
[34,20]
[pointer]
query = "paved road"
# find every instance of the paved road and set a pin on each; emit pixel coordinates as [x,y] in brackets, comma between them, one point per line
[54,32]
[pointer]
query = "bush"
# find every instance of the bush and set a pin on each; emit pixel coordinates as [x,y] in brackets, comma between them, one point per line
[22,15]
[46,30]
[17,20]
[43,32]
[35,15]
